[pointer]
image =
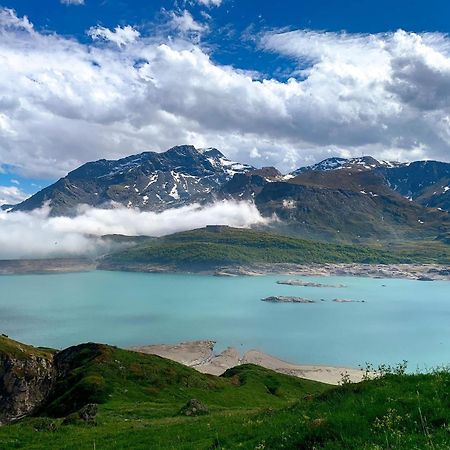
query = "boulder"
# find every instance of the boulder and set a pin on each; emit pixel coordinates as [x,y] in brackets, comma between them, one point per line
[194,407]
[88,413]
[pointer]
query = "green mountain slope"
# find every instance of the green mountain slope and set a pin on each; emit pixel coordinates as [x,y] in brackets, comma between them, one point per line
[217,246]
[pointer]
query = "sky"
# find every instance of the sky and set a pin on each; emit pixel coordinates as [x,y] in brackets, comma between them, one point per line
[268,83]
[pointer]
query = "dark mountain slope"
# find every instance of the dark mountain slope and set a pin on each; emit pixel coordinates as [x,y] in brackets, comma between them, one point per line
[149,181]
[348,214]
[346,200]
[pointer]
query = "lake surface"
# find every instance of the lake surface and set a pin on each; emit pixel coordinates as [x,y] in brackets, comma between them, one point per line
[403,320]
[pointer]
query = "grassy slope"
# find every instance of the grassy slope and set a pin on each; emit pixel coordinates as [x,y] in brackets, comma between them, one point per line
[207,247]
[250,408]
[14,349]
[140,397]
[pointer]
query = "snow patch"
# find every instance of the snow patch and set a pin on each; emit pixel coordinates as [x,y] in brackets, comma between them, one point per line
[289,204]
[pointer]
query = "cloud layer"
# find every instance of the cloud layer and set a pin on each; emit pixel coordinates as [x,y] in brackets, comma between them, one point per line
[36,235]
[381,94]
[11,195]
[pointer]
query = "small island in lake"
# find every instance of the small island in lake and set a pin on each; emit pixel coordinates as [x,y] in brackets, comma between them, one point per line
[347,300]
[286,299]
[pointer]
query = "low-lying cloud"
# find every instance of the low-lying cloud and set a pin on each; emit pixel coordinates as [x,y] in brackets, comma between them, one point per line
[37,235]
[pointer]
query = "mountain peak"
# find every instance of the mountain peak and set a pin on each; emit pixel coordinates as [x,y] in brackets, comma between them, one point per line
[182,150]
[335,163]
[148,181]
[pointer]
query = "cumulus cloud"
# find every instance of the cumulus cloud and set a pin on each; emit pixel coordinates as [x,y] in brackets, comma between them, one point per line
[351,94]
[35,234]
[11,195]
[185,23]
[208,3]
[9,20]
[72,2]
[121,36]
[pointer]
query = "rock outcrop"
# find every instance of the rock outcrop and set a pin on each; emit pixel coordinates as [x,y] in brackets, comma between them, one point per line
[286,299]
[194,407]
[26,378]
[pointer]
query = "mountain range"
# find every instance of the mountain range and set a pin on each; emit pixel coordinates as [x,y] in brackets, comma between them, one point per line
[341,199]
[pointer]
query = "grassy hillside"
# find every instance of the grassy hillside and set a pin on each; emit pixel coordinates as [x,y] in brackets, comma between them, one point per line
[141,397]
[219,246]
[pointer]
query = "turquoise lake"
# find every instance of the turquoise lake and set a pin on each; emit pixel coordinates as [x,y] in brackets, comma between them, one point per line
[404,320]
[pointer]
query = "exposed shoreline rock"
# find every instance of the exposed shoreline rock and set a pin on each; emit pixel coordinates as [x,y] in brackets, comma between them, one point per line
[200,355]
[46,266]
[433,272]
[309,284]
[286,299]
[422,272]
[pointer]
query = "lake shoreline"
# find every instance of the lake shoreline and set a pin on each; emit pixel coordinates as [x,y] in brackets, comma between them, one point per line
[200,355]
[46,266]
[422,272]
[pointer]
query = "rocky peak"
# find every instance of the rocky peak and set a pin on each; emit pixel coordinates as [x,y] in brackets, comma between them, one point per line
[357,164]
[270,173]
[148,181]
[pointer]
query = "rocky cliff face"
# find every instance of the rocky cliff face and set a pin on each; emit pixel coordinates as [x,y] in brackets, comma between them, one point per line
[26,379]
[33,380]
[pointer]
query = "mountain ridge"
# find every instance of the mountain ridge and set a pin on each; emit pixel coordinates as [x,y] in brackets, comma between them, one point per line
[148,181]
[337,198]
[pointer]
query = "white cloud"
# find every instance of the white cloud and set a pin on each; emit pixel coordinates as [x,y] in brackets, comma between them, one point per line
[72,2]
[382,94]
[35,234]
[184,23]
[208,3]
[9,20]
[11,195]
[121,36]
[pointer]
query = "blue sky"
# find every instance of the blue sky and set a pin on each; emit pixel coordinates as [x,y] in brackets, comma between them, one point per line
[268,83]
[237,16]
[352,15]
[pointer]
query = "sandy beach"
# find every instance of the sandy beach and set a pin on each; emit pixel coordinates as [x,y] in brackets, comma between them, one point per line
[200,355]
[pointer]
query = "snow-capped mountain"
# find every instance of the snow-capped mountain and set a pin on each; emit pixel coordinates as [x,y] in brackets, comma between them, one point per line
[347,199]
[148,181]
[357,164]
[425,182]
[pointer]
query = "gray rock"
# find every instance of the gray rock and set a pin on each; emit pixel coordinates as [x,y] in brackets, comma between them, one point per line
[194,407]
[88,413]
[286,299]
[24,384]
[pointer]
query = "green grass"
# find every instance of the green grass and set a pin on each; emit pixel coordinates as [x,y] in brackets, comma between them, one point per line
[21,351]
[224,246]
[140,398]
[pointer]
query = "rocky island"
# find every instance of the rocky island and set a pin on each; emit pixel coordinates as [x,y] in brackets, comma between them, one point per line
[286,299]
